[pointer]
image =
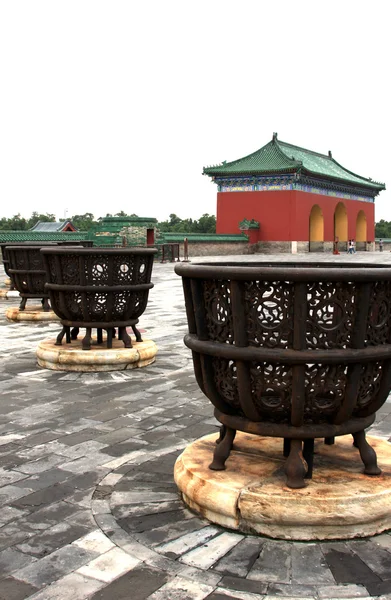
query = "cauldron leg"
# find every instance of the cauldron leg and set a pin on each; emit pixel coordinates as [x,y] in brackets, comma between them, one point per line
[367,453]
[308,454]
[86,343]
[45,305]
[99,335]
[74,333]
[287,447]
[137,333]
[329,441]
[295,466]
[125,337]
[109,340]
[222,431]
[60,336]
[223,450]
[68,335]
[22,305]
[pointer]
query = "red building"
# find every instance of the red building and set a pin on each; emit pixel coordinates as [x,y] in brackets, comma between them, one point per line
[289,198]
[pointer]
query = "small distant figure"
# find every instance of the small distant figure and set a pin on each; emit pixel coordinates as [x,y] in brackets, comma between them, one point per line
[351,249]
[381,245]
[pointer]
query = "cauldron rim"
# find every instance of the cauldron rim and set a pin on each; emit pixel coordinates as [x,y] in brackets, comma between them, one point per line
[286,271]
[93,251]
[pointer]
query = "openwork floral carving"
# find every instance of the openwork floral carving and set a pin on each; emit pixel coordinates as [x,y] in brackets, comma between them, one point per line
[218,307]
[379,318]
[331,308]
[226,381]
[269,313]
[371,376]
[325,387]
[271,386]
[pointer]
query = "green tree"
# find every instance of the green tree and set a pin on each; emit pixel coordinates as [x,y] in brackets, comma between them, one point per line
[84,222]
[35,217]
[206,224]
[383,229]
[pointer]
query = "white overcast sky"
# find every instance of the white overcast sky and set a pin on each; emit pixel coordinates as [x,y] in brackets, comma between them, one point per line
[117,105]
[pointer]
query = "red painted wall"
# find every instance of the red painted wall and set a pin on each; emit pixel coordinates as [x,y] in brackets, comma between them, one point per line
[284,215]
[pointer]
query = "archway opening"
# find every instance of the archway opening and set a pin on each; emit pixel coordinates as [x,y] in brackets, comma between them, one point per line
[361,227]
[316,224]
[341,222]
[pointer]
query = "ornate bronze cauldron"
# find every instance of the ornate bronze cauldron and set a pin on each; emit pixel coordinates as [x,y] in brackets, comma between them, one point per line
[98,288]
[297,351]
[27,272]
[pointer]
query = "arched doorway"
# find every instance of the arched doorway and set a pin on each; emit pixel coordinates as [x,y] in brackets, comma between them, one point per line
[316,236]
[361,227]
[341,224]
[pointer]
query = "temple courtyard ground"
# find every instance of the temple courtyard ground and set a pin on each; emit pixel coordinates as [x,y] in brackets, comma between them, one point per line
[88,505]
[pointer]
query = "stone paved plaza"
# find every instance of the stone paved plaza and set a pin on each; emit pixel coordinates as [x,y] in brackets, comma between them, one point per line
[89,508]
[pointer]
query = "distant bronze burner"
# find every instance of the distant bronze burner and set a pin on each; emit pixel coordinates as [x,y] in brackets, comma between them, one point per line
[27,272]
[297,351]
[98,288]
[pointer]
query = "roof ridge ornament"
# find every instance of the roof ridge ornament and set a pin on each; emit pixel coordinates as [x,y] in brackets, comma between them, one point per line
[330,155]
[275,136]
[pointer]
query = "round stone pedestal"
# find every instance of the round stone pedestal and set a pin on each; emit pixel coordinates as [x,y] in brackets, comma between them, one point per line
[8,294]
[251,495]
[30,313]
[72,357]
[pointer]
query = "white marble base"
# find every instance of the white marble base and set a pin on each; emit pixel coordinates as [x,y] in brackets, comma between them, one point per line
[7,294]
[251,495]
[30,313]
[72,357]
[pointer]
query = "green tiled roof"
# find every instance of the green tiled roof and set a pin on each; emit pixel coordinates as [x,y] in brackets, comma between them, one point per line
[41,236]
[281,157]
[172,237]
[51,226]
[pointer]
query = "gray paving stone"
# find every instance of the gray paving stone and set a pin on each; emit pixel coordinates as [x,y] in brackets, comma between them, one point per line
[138,584]
[11,493]
[168,532]
[244,585]
[181,588]
[376,558]
[52,539]
[342,591]
[9,513]
[309,565]
[38,499]
[208,554]
[12,589]
[45,479]
[273,564]
[9,477]
[13,533]
[241,558]
[11,560]
[56,565]
[189,541]
[296,590]
[348,567]
[73,586]
[43,464]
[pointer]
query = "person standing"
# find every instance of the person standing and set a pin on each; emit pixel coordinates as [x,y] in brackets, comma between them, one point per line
[381,245]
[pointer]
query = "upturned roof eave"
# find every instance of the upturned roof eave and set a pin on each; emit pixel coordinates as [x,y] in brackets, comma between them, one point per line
[369,182]
[224,168]
[333,179]
[255,172]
